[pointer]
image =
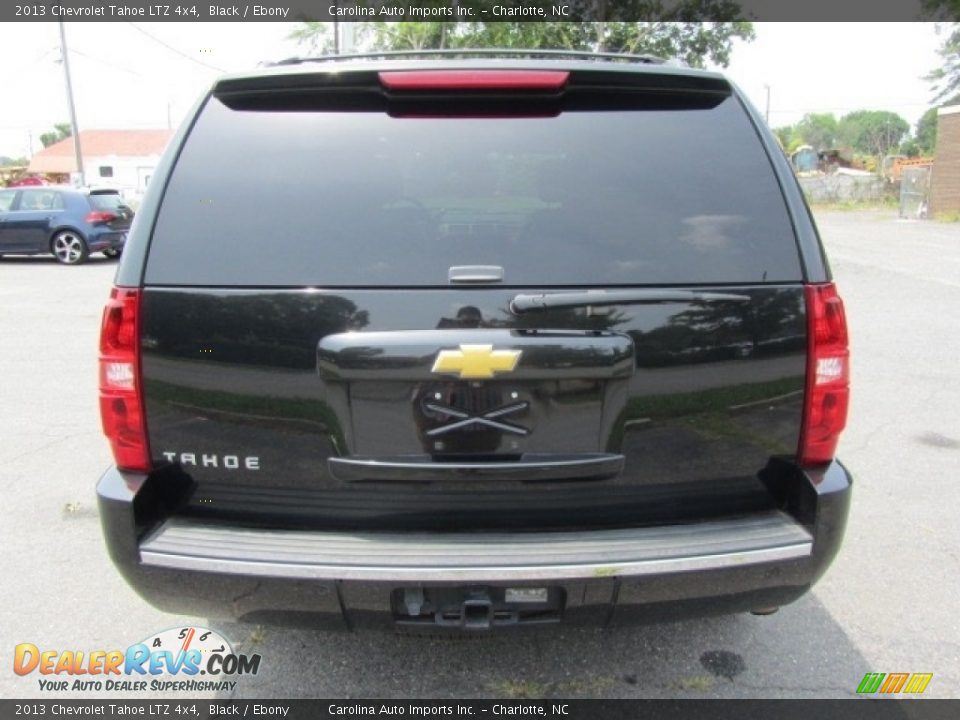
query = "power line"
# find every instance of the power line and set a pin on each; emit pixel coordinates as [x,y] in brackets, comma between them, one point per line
[175,50]
[42,55]
[74,51]
[841,108]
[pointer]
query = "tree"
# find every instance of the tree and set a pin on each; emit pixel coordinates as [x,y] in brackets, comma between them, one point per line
[404,35]
[693,42]
[317,37]
[925,134]
[946,78]
[61,131]
[785,135]
[818,130]
[873,132]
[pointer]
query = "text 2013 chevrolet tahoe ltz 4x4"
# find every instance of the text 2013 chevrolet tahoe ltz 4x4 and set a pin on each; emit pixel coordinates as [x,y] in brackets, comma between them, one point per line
[468,343]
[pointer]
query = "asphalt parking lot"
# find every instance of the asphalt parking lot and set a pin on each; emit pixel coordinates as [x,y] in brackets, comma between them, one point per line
[888,604]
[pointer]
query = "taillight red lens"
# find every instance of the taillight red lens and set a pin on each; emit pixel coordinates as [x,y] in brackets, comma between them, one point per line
[828,375]
[121,401]
[100,216]
[474,79]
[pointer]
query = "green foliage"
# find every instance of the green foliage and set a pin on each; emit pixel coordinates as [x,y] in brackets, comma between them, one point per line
[910,147]
[946,78]
[818,130]
[692,42]
[872,132]
[785,135]
[61,131]
[925,135]
[520,35]
[316,37]
[947,216]
[940,9]
[405,35]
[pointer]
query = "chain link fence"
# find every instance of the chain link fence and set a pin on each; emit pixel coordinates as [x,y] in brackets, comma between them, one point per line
[914,192]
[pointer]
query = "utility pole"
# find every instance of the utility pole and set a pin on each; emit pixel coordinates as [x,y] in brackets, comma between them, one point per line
[767,116]
[347,38]
[73,113]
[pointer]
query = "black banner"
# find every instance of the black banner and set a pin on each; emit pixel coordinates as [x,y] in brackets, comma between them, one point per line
[478,10]
[853,709]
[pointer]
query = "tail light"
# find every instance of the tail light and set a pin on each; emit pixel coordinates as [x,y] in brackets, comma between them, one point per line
[100,216]
[828,375]
[474,79]
[121,399]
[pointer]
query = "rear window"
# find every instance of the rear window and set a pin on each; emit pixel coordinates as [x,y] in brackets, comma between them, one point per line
[273,198]
[105,200]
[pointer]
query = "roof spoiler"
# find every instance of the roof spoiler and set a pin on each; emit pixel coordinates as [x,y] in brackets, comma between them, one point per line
[599,88]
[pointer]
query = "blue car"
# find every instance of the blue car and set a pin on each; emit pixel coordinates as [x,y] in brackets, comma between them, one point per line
[67,222]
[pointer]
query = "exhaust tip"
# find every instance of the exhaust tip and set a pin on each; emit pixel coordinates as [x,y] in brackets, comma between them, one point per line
[765,611]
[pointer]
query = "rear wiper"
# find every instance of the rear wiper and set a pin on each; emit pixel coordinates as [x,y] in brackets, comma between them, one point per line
[525,302]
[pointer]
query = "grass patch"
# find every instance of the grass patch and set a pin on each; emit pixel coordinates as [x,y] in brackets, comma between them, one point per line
[719,427]
[890,203]
[712,400]
[700,683]
[519,689]
[533,690]
[257,635]
[707,411]
[949,216]
[282,410]
[588,686]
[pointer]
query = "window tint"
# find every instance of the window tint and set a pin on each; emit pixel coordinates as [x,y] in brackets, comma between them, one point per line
[105,201]
[40,200]
[583,198]
[6,199]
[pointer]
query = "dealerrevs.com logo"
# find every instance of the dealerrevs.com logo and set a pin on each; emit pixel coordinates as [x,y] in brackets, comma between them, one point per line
[189,659]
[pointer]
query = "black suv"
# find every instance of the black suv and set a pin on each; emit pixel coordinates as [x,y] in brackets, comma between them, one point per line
[460,342]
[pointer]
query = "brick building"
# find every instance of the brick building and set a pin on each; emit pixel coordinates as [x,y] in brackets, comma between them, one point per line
[945,179]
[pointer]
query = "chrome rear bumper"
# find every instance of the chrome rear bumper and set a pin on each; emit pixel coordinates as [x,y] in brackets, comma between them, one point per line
[182,544]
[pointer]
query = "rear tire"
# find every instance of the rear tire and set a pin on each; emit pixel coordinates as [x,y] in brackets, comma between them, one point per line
[69,248]
[111,253]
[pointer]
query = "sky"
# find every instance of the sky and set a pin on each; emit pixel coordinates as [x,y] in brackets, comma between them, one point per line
[146,75]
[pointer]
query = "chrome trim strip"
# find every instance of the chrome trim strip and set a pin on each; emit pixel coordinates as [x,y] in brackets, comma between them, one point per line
[493,573]
[532,467]
[468,557]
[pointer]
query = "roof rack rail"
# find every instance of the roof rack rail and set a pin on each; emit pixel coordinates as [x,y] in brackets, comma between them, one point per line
[478,52]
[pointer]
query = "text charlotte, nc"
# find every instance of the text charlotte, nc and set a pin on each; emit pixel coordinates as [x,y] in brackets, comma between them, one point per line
[398,12]
[395,12]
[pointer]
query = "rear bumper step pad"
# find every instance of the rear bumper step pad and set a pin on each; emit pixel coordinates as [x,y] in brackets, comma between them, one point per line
[476,557]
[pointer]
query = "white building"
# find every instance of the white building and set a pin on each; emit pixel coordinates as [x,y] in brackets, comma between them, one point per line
[124,159]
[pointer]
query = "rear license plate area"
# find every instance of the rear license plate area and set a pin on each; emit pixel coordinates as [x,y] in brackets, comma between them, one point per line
[475,608]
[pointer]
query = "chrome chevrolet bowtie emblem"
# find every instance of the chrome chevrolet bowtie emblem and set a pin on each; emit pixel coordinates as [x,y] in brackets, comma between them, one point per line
[476,362]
